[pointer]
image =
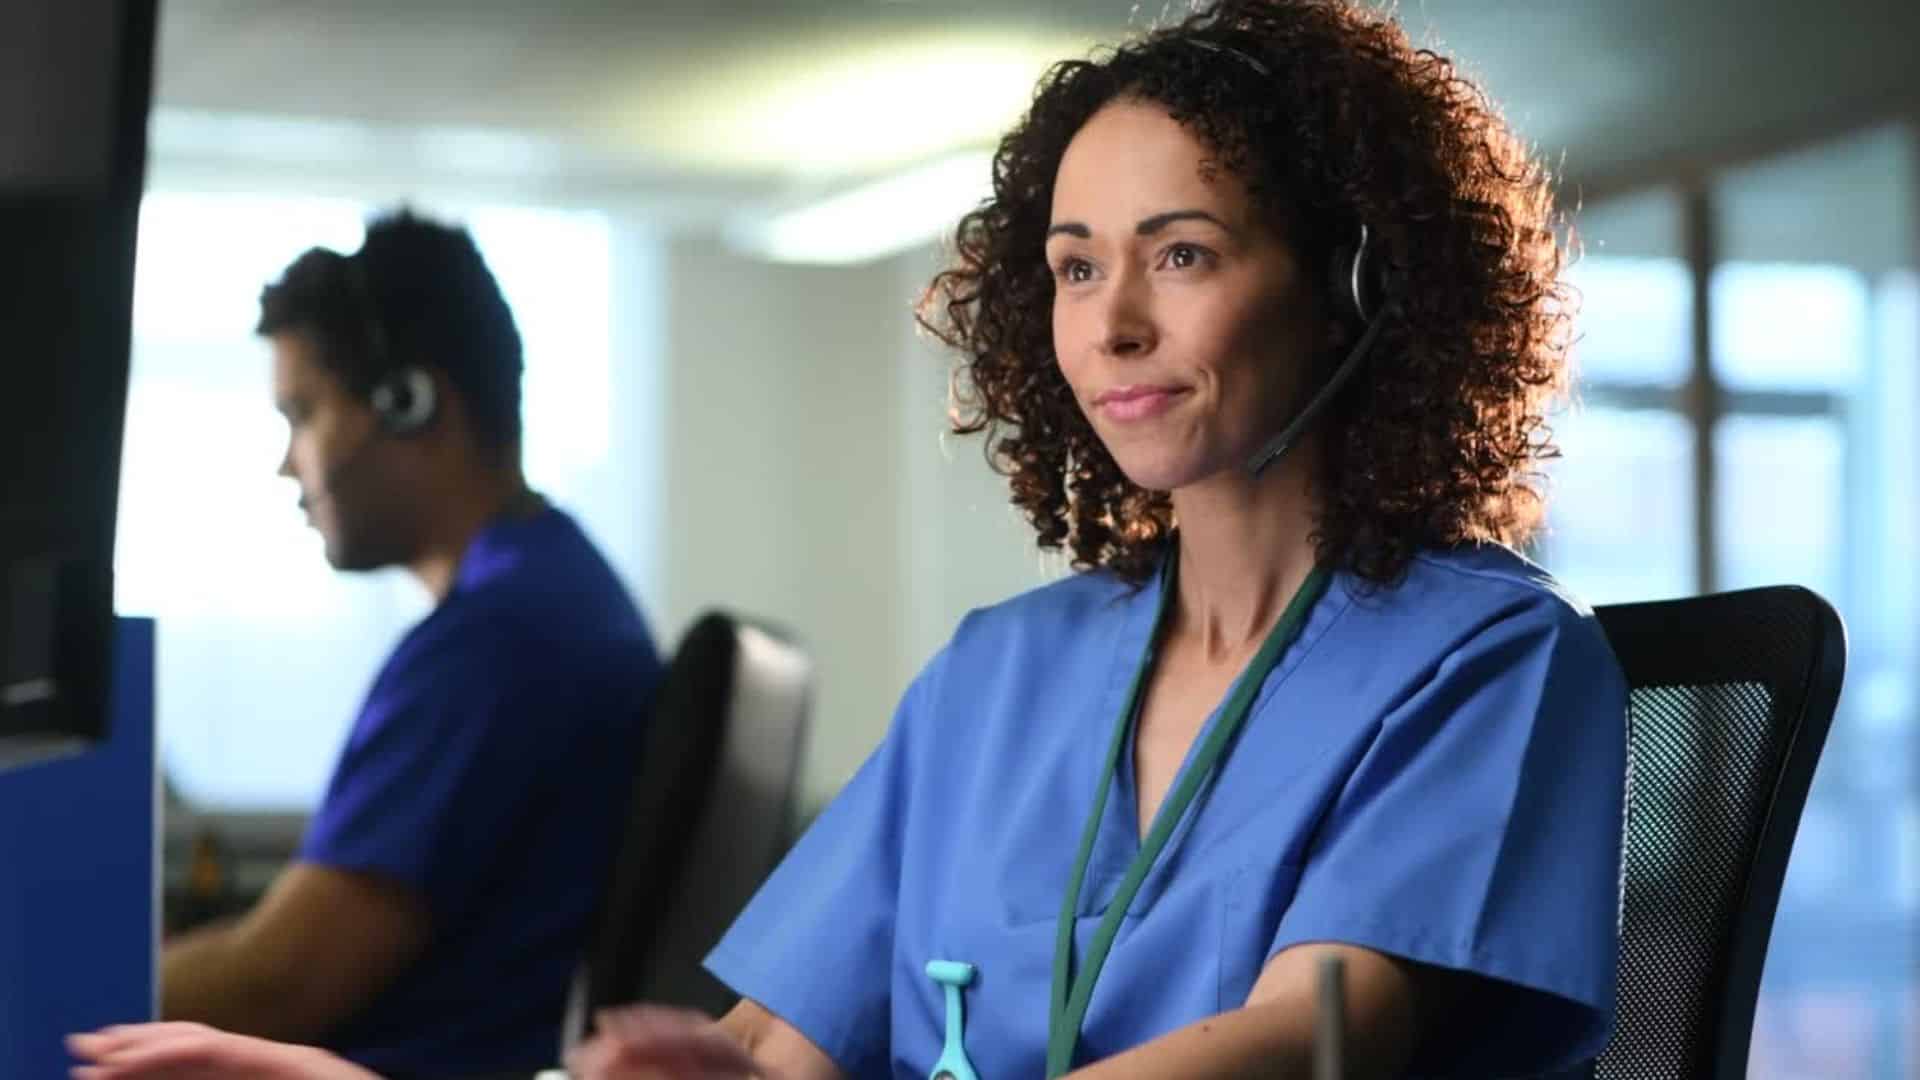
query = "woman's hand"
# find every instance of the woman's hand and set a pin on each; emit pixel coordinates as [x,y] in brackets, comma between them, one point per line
[651,1042]
[197,1052]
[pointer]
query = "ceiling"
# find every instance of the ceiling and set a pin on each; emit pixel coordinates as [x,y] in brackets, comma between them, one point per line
[708,106]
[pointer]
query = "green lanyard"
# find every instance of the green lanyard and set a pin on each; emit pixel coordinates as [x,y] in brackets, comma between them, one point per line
[1067,1004]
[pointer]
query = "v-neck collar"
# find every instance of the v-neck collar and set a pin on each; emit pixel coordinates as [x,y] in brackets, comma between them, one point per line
[1119,838]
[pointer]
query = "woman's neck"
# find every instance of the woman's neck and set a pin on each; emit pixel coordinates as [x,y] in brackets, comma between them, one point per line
[1246,546]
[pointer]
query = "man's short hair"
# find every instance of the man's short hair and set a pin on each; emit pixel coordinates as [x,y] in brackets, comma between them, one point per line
[417,292]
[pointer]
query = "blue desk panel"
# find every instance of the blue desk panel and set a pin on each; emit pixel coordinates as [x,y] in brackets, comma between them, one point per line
[77,880]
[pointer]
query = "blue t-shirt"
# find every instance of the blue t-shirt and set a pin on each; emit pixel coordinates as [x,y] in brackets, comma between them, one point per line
[487,770]
[1434,771]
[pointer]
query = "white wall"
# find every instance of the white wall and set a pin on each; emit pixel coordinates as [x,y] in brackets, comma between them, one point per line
[962,542]
[807,480]
[781,479]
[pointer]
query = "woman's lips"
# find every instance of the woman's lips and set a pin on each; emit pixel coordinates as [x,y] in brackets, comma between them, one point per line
[1137,402]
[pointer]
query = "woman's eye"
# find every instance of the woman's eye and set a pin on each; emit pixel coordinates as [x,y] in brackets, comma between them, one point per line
[1184,257]
[1074,270]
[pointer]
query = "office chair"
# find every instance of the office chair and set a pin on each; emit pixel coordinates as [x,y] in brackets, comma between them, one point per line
[711,812]
[1731,696]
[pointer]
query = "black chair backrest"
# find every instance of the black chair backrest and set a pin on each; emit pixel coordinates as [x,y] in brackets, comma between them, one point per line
[1731,699]
[679,756]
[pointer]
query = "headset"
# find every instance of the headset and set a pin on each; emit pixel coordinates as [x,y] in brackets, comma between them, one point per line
[404,399]
[1357,287]
[1360,294]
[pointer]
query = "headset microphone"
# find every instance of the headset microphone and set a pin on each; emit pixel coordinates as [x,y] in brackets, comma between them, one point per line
[1277,446]
[1358,290]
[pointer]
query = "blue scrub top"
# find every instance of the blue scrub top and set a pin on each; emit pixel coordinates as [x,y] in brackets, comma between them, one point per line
[1434,771]
[487,771]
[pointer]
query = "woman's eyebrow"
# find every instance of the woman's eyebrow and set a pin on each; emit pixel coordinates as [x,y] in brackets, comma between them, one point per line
[1146,227]
[1151,225]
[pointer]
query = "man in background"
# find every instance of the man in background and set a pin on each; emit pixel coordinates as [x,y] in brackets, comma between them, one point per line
[432,916]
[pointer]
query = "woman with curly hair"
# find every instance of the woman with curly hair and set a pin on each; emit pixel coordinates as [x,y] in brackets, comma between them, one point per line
[1260,323]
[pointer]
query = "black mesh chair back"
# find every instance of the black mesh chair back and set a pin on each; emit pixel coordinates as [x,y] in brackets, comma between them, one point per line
[1731,696]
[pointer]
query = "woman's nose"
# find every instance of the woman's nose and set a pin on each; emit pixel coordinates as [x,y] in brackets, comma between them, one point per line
[1127,327]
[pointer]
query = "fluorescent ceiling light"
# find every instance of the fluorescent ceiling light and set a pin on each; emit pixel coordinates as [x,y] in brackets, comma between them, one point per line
[877,219]
[823,107]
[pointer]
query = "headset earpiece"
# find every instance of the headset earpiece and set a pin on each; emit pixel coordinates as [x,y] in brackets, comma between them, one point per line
[405,401]
[1355,287]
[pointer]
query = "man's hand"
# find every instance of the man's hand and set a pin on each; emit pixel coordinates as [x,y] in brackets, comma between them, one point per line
[198,1052]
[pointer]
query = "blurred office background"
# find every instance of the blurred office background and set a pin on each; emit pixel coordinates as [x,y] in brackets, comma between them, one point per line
[712,219]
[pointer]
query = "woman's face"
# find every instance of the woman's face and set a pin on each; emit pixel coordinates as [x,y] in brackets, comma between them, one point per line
[1182,318]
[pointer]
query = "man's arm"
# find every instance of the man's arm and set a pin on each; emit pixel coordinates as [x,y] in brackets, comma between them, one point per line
[1391,1004]
[317,948]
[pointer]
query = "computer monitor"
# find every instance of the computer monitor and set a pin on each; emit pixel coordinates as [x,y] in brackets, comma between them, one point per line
[76,81]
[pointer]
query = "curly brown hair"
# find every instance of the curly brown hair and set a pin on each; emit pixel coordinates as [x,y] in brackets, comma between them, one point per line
[1332,118]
